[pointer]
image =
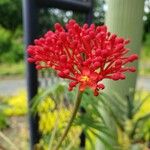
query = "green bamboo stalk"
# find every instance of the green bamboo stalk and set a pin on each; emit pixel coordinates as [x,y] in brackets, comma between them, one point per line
[124,18]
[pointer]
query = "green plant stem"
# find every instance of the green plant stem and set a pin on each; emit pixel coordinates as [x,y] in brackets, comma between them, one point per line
[76,107]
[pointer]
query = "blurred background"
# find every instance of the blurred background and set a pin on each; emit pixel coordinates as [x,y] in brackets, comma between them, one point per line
[13,99]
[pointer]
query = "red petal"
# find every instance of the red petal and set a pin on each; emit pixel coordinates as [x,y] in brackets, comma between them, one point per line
[94,75]
[31,60]
[73,83]
[101,86]
[93,85]
[86,71]
[82,87]
[132,69]
[132,57]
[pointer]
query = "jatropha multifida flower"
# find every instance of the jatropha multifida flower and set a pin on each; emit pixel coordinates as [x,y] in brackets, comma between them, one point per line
[84,54]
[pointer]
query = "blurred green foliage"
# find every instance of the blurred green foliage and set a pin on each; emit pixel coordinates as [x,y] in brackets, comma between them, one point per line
[4,40]
[3,117]
[11,34]
[146,47]
[146,18]
[11,46]
[10,14]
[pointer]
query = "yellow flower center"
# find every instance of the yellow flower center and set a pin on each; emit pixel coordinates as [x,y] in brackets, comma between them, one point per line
[84,78]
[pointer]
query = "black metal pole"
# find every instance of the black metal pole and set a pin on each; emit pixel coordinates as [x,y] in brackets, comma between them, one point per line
[30,20]
[89,16]
[82,135]
[75,5]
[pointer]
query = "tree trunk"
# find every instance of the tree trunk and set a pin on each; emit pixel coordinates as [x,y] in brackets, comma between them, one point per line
[124,18]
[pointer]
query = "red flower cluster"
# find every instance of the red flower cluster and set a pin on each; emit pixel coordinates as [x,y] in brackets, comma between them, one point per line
[84,54]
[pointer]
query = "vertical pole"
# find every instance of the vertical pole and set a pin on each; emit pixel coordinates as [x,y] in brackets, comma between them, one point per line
[30,20]
[89,16]
[82,135]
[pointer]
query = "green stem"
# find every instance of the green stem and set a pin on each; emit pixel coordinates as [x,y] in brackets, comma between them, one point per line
[77,104]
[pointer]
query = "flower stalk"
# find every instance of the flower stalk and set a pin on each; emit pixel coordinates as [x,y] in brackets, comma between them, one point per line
[75,110]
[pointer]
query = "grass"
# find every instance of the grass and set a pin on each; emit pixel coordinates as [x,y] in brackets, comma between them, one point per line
[13,70]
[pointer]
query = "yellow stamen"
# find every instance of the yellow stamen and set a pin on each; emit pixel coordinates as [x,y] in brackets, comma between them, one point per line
[84,78]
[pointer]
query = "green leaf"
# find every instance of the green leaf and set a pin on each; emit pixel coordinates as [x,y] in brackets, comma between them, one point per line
[52,138]
[136,124]
[3,106]
[38,99]
[90,139]
[138,104]
[102,139]
[115,114]
[56,92]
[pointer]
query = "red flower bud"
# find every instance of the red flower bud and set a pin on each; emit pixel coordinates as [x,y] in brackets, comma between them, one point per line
[118,62]
[115,76]
[31,60]
[132,58]
[63,58]
[132,69]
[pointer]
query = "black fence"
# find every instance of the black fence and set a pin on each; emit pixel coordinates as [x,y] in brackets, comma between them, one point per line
[31,10]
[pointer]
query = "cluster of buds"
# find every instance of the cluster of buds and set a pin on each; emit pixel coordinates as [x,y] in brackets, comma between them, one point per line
[83,54]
